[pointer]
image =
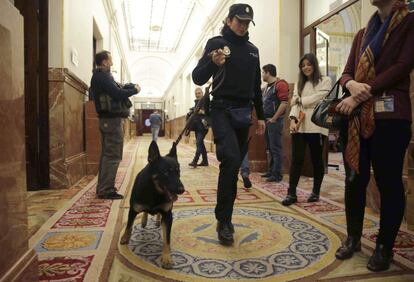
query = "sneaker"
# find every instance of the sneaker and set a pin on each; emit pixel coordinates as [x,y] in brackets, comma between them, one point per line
[289,200]
[266,175]
[246,182]
[111,196]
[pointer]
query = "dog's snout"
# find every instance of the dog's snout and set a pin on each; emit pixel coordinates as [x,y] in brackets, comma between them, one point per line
[180,190]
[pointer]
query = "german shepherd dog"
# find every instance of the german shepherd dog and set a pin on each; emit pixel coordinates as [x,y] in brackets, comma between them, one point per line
[155,189]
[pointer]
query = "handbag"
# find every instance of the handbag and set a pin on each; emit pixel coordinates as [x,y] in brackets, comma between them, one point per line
[240,117]
[325,114]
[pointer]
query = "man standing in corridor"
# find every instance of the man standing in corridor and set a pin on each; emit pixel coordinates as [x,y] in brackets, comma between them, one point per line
[275,100]
[156,121]
[112,105]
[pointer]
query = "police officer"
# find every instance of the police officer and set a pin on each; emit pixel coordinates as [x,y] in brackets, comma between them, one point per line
[109,99]
[230,104]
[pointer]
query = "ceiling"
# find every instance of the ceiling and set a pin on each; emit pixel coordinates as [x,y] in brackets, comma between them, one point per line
[160,34]
[156,25]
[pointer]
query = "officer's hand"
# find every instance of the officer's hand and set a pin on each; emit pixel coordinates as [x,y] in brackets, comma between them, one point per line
[218,57]
[261,127]
[138,87]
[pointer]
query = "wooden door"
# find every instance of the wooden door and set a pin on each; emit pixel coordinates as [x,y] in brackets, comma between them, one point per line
[35,14]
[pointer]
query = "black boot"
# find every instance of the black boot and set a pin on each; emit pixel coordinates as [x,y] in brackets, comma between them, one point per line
[348,248]
[204,161]
[289,200]
[381,259]
[225,233]
[313,198]
[246,182]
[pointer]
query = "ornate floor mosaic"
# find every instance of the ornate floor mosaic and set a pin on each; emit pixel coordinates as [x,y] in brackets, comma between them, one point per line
[268,242]
[272,242]
[73,245]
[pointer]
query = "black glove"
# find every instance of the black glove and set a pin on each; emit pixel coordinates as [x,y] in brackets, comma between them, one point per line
[129,86]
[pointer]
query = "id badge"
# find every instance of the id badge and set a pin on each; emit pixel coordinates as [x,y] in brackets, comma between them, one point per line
[384,104]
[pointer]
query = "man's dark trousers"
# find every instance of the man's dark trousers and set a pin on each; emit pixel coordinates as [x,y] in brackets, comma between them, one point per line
[274,140]
[200,134]
[111,154]
[231,144]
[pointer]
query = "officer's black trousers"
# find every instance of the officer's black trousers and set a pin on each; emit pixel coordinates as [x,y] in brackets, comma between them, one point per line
[230,145]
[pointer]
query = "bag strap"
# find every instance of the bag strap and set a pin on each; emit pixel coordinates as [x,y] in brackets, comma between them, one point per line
[333,93]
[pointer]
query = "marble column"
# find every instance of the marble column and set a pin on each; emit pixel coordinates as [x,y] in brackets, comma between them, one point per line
[17,261]
[93,138]
[66,118]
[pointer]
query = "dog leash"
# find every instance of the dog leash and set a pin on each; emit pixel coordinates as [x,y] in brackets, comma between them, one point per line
[221,73]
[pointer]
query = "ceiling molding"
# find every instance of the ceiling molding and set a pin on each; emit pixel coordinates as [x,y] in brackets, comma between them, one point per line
[113,23]
[218,14]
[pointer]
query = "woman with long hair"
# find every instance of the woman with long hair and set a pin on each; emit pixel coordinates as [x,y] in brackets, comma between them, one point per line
[377,75]
[311,88]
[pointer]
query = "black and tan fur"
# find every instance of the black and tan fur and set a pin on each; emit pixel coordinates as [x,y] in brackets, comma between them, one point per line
[155,189]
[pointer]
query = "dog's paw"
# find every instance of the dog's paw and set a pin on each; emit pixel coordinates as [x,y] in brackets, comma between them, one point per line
[166,261]
[125,239]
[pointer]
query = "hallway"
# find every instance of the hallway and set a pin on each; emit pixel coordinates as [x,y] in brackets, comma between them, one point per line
[272,243]
[57,116]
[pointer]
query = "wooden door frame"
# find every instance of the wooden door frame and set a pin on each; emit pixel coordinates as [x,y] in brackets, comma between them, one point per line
[36,38]
[311,29]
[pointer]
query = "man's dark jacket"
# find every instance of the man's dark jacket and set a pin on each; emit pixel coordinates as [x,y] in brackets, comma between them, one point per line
[103,83]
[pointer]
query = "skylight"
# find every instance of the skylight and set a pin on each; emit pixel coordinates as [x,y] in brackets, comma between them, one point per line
[156,25]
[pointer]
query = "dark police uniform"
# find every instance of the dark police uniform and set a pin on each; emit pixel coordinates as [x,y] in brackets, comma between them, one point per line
[240,87]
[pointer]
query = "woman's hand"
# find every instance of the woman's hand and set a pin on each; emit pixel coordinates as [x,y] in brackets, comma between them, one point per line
[361,92]
[293,126]
[295,100]
[347,105]
[218,57]
[261,127]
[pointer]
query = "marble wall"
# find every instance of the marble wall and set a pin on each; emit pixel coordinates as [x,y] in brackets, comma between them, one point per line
[93,138]
[66,116]
[17,261]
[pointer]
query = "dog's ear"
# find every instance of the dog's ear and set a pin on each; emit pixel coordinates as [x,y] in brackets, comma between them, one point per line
[173,151]
[153,152]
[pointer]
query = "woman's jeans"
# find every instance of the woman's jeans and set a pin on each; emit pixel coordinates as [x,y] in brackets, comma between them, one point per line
[299,142]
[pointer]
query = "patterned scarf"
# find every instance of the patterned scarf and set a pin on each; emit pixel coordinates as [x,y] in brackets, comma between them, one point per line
[375,37]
